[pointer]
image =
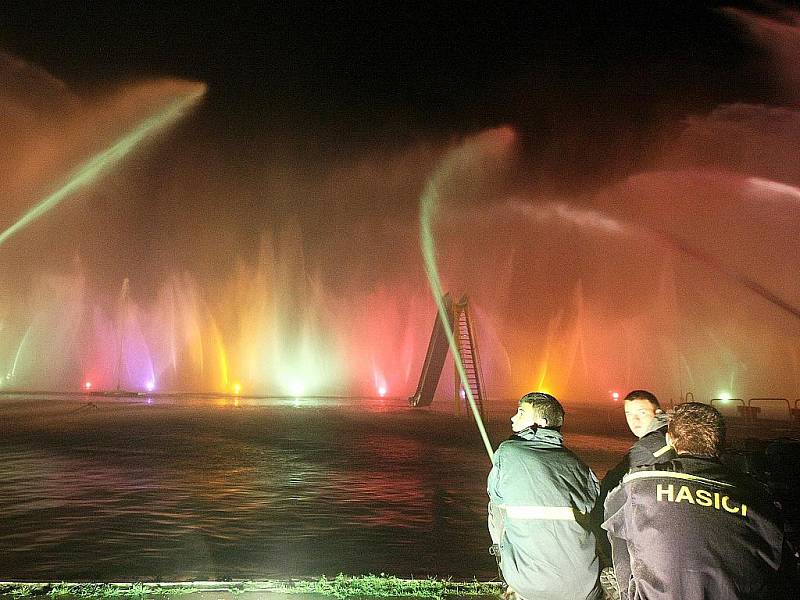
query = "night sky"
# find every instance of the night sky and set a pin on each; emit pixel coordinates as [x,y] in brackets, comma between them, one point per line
[339,77]
[325,120]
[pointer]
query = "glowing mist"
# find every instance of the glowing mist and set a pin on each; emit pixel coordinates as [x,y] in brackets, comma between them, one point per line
[103,161]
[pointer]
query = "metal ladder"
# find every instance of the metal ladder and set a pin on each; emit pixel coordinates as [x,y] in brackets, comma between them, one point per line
[468,352]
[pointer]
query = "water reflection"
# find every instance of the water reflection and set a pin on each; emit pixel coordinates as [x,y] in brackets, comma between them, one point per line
[155,488]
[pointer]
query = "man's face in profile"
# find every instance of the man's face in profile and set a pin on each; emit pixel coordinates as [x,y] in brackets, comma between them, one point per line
[523,418]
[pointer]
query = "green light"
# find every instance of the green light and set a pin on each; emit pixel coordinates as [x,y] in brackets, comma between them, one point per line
[725,396]
[103,161]
[19,352]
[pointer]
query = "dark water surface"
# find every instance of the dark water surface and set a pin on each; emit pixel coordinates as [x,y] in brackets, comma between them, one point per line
[123,489]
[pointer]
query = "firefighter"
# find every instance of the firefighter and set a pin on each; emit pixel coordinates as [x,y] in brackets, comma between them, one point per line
[693,529]
[647,422]
[541,495]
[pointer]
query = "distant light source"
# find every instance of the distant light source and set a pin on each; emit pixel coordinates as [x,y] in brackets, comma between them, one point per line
[615,396]
[297,388]
[237,388]
[88,385]
[150,386]
[725,396]
[382,391]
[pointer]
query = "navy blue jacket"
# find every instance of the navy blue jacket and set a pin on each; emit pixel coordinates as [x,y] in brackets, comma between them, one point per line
[694,530]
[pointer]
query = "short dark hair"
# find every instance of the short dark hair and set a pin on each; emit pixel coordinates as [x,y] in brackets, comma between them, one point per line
[545,406]
[696,428]
[643,395]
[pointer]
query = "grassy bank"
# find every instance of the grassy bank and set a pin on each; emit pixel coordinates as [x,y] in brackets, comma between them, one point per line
[342,587]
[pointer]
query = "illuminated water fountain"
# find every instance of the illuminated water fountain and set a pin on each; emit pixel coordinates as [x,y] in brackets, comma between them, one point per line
[676,278]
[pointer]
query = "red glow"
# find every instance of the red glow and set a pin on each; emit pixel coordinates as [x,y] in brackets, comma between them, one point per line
[88,385]
[615,396]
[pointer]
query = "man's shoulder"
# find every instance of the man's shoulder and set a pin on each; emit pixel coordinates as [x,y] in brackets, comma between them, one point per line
[690,469]
[651,448]
[704,483]
[516,445]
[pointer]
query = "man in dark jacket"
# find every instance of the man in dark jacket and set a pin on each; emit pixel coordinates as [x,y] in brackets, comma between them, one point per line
[647,422]
[540,498]
[692,528]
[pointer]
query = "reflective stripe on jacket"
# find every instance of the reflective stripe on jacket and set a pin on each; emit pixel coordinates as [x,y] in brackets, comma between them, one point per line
[543,490]
[691,529]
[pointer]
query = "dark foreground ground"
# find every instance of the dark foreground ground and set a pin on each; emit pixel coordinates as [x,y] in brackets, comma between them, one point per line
[339,588]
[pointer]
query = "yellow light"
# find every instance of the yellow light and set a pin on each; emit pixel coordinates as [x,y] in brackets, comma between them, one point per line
[725,396]
[237,388]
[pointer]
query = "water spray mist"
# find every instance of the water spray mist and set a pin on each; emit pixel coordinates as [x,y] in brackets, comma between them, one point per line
[102,162]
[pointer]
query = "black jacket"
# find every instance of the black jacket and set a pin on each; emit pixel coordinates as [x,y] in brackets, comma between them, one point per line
[649,449]
[693,529]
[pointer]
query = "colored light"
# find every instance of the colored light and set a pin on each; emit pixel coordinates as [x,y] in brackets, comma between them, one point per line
[725,396]
[237,388]
[102,162]
[88,385]
[615,396]
[297,388]
[150,386]
[462,393]
[382,391]
[495,145]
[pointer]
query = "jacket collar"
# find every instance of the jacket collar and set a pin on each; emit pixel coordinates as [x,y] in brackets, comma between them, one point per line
[542,435]
[658,422]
